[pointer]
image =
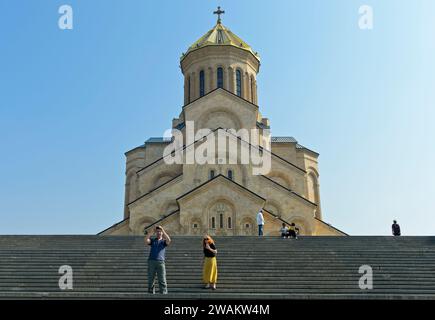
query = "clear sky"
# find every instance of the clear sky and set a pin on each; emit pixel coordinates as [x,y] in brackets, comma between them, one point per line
[73,101]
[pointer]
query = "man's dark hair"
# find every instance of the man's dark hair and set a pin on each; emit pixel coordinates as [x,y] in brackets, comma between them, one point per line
[158,228]
[394,221]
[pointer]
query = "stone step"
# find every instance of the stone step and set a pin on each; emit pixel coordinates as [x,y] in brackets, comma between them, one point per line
[222,278]
[224,254]
[398,292]
[231,263]
[214,295]
[141,281]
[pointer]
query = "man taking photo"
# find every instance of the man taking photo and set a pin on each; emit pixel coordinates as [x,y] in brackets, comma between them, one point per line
[156,259]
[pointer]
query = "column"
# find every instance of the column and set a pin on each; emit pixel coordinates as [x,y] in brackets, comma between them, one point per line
[231,82]
[213,83]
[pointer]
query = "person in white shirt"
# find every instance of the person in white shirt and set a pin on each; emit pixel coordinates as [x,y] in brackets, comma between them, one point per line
[284,231]
[260,222]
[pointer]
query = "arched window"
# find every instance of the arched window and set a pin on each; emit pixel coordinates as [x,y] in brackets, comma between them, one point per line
[201,83]
[252,89]
[221,221]
[239,83]
[313,188]
[230,174]
[229,223]
[220,77]
[213,222]
[212,173]
[188,90]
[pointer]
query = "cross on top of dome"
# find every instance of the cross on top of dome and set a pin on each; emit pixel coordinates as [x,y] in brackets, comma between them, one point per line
[219,12]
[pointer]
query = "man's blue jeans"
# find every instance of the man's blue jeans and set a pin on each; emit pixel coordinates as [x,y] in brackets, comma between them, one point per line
[260,229]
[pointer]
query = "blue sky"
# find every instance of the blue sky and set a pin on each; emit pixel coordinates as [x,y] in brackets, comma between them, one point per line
[73,101]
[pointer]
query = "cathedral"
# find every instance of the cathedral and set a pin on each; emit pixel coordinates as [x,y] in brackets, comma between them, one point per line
[221,197]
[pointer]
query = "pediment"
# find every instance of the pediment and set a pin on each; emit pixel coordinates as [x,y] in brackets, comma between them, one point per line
[221,186]
[221,108]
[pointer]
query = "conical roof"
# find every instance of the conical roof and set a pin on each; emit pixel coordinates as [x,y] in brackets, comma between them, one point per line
[220,36]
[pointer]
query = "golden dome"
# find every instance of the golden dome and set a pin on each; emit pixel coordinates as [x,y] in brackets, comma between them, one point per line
[220,36]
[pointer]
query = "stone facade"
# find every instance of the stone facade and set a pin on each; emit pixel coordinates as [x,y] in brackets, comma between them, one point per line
[221,199]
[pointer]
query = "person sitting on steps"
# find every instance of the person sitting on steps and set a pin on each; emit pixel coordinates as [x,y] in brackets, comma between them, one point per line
[293,231]
[284,231]
[395,228]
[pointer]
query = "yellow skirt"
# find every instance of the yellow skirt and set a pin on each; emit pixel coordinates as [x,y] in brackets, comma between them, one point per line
[209,272]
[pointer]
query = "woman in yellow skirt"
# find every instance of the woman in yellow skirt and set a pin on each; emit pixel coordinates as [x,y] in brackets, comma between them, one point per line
[209,272]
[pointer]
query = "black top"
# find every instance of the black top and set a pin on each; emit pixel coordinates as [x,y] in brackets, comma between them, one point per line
[208,253]
[396,229]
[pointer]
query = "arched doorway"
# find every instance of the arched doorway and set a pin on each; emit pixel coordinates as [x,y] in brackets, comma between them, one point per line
[247,226]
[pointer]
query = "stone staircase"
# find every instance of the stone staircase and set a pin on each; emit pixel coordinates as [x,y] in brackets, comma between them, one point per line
[249,267]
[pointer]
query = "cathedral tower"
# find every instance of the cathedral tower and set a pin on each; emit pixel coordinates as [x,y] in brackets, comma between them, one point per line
[220,59]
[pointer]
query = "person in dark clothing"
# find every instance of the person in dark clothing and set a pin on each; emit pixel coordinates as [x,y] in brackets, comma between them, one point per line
[395,228]
[293,231]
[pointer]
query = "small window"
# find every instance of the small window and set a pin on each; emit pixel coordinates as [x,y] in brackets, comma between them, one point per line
[188,90]
[247,225]
[239,83]
[212,174]
[213,222]
[230,174]
[252,89]
[221,221]
[220,77]
[229,223]
[201,83]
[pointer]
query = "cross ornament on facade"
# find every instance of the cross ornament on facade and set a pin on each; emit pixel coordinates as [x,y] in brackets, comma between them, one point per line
[220,208]
[219,12]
